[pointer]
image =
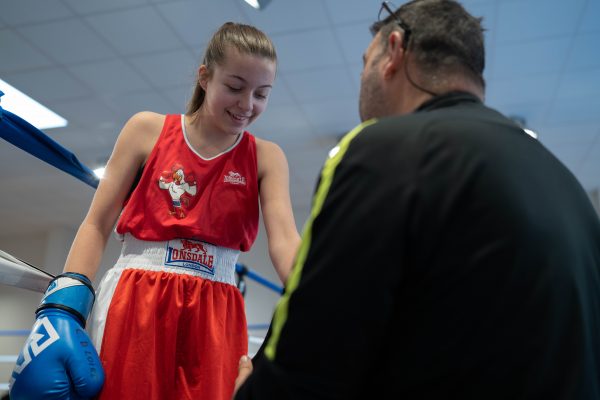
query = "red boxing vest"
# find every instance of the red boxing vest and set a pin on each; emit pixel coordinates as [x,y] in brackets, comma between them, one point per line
[182,195]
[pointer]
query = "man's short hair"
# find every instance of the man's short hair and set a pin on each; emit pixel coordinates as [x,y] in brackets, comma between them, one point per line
[444,37]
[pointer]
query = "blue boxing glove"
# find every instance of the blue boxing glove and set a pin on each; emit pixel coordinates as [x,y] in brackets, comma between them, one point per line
[58,360]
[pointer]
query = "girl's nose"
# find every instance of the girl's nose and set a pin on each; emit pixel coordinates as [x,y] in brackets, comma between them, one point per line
[245,103]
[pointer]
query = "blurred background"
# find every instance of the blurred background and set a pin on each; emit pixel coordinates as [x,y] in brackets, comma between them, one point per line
[95,63]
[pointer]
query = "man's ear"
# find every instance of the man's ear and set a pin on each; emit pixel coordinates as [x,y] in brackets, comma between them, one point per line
[203,76]
[395,53]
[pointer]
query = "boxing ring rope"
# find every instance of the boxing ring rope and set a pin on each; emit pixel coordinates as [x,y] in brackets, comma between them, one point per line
[27,137]
[16,272]
[243,271]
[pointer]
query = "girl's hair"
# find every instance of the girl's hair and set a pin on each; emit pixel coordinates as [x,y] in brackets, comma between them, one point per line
[244,38]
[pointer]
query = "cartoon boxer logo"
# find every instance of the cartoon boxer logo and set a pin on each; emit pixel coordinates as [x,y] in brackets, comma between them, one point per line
[179,187]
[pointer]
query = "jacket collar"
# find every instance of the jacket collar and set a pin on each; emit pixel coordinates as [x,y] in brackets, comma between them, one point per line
[447,100]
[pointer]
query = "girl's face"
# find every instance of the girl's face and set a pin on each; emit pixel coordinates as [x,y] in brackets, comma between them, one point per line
[237,90]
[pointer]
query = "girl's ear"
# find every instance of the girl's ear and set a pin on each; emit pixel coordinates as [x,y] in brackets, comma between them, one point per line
[203,76]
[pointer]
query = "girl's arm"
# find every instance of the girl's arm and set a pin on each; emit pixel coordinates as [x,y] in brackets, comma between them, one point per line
[276,207]
[129,154]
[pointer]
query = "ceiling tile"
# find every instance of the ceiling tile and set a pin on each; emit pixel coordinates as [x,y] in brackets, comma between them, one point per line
[485,9]
[151,35]
[578,132]
[47,85]
[314,49]
[19,12]
[90,7]
[88,143]
[289,16]
[532,89]
[352,11]
[533,19]
[355,73]
[60,39]
[591,17]
[530,57]
[183,18]
[22,164]
[332,118]
[128,104]
[18,55]
[281,94]
[584,52]
[178,97]
[86,112]
[579,83]
[282,124]
[324,83]
[109,77]
[354,40]
[167,69]
[575,109]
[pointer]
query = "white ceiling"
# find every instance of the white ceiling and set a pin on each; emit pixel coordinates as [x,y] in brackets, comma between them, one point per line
[98,62]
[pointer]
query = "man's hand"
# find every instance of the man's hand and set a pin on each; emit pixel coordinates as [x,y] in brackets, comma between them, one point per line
[244,370]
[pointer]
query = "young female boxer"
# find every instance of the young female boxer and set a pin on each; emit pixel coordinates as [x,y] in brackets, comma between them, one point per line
[184,192]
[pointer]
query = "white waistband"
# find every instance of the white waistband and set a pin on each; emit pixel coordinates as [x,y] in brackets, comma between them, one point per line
[181,256]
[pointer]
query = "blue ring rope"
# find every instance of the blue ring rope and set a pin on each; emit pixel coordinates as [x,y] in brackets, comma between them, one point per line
[245,271]
[15,332]
[258,327]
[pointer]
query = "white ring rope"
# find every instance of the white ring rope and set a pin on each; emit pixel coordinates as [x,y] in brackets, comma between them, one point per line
[16,272]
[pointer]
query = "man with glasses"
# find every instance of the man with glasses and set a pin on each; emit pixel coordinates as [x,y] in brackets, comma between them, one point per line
[448,254]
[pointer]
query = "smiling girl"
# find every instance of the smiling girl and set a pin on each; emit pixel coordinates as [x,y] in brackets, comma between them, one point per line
[184,191]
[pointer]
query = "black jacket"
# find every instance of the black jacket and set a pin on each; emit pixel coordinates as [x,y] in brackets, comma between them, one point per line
[449,256]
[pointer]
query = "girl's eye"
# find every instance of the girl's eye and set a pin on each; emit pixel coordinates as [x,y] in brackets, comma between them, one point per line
[233,89]
[260,96]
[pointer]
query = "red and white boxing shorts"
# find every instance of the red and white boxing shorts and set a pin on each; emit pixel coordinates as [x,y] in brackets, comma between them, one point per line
[169,322]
